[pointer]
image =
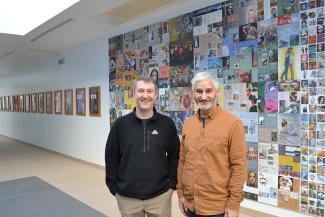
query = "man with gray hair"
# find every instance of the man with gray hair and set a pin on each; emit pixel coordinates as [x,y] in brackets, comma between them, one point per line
[212,163]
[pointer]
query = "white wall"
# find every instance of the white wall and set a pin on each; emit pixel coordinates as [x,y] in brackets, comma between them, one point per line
[85,65]
[83,137]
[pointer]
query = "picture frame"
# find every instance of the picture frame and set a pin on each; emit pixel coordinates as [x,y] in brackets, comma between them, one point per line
[34,102]
[81,101]
[94,101]
[8,104]
[41,102]
[1,104]
[21,103]
[58,102]
[27,102]
[4,105]
[15,103]
[49,102]
[68,102]
[4,99]
[12,103]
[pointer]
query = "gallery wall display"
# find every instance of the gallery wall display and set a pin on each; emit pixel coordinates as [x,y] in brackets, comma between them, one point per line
[94,101]
[269,60]
[81,101]
[43,102]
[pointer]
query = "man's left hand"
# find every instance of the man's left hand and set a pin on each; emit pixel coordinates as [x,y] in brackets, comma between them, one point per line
[231,213]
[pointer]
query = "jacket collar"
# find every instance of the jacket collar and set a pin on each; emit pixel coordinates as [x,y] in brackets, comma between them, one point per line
[155,113]
[212,114]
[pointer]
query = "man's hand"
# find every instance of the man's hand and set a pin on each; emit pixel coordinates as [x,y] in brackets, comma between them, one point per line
[231,213]
[182,205]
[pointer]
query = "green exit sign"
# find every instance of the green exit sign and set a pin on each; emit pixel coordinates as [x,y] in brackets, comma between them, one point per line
[61,61]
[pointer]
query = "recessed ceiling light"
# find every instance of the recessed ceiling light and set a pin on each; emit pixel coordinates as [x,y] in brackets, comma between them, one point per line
[20,17]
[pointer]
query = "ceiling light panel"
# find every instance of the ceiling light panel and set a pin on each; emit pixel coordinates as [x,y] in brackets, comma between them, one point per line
[20,17]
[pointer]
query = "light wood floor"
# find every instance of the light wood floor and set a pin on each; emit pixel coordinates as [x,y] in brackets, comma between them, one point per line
[80,180]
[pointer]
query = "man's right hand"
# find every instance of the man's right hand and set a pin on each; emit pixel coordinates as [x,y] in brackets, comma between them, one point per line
[182,205]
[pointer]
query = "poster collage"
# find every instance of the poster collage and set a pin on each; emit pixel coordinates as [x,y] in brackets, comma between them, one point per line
[269,59]
[54,102]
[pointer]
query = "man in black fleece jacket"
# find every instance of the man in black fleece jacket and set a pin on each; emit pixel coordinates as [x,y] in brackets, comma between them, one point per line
[141,157]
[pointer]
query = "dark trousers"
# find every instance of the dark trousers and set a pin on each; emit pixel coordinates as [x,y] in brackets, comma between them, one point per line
[193,214]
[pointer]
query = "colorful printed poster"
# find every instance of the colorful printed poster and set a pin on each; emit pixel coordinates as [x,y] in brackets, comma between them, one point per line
[268,173]
[289,64]
[289,129]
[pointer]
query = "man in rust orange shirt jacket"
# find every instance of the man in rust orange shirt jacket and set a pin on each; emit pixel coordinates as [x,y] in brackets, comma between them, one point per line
[212,163]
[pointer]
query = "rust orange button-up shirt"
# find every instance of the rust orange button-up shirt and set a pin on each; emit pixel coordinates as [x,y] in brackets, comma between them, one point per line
[212,164]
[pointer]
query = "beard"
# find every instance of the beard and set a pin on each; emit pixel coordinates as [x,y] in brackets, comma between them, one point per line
[204,106]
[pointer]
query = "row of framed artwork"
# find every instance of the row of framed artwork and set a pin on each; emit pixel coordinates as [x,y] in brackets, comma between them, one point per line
[42,102]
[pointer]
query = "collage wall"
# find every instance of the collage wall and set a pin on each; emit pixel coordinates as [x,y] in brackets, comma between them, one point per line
[269,59]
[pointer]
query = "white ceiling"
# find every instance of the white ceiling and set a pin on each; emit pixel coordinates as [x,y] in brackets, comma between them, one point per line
[87,19]
[83,27]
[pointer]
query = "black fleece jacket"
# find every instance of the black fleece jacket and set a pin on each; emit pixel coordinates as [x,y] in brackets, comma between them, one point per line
[141,161]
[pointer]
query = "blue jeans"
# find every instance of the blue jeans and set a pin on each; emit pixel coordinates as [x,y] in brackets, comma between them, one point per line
[193,214]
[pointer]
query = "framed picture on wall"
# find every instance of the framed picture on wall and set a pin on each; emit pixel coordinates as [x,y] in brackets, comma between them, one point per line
[15,103]
[4,103]
[21,103]
[4,99]
[81,101]
[1,104]
[58,102]
[34,102]
[68,102]
[12,102]
[8,103]
[41,102]
[94,101]
[49,106]
[27,102]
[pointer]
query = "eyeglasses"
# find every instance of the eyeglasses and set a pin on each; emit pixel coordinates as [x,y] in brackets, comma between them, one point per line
[206,91]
